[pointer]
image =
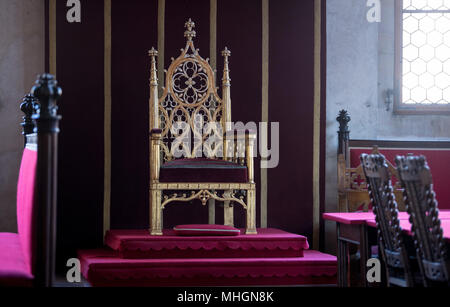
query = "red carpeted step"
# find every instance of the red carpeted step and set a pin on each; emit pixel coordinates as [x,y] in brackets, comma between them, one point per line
[104,267]
[268,243]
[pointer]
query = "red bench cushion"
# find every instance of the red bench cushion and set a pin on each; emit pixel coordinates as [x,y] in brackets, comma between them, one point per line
[14,271]
[203,170]
[25,201]
[16,256]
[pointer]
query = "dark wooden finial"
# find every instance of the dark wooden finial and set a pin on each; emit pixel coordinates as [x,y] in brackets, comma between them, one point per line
[343,133]
[29,106]
[47,91]
[343,120]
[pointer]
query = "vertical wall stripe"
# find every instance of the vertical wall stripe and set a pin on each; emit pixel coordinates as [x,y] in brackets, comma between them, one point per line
[52,37]
[107,121]
[213,63]
[161,42]
[317,100]
[265,102]
[213,34]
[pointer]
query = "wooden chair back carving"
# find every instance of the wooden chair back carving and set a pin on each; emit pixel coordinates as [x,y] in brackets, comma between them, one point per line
[189,101]
[352,184]
[378,176]
[422,206]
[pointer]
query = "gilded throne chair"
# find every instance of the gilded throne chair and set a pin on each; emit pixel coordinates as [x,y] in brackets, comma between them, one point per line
[194,153]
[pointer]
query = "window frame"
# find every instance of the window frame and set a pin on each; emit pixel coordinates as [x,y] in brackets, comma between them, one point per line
[400,107]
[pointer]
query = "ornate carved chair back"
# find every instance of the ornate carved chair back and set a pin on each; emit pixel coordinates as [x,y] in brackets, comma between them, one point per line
[190,109]
[390,237]
[422,206]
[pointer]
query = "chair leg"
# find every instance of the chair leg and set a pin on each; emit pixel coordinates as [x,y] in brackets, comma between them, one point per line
[251,213]
[228,210]
[156,213]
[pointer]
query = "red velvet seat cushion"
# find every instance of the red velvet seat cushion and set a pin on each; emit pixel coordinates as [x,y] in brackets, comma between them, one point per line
[205,230]
[16,257]
[25,204]
[203,170]
[14,270]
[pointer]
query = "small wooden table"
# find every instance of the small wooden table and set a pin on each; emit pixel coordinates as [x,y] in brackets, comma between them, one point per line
[351,228]
[359,228]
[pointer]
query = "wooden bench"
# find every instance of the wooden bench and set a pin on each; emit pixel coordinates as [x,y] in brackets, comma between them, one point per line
[27,257]
[352,187]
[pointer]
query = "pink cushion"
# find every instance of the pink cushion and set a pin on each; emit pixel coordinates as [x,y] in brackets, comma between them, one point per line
[25,199]
[205,230]
[14,270]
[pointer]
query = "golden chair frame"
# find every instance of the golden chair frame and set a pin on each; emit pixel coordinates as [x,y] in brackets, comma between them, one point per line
[190,91]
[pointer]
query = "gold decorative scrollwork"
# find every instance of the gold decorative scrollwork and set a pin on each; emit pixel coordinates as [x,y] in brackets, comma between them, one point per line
[190,96]
[204,196]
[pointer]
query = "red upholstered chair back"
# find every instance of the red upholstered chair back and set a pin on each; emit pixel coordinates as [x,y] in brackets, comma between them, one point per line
[25,203]
[438,159]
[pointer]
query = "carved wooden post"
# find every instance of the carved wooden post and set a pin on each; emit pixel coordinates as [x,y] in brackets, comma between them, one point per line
[343,160]
[29,106]
[153,104]
[47,120]
[226,98]
[155,192]
[344,135]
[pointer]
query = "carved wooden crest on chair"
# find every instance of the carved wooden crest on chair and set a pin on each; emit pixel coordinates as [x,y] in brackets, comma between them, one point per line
[352,184]
[189,156]
[422,206]
[381,192]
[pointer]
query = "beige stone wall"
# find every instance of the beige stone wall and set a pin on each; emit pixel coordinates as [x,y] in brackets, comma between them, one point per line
[22,58]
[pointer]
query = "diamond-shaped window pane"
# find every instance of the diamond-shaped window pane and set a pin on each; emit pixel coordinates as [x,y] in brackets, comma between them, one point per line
[434,94]
[410,24]
[443,24]
[434,67]
[418,38]
[443,53]
[418,94]
[426,24]
[426,80]
[434,38]
[434,4]
[419,4]
[419,66]
[442,81]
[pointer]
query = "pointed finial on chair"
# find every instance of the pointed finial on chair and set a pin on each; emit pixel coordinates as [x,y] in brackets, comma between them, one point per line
[153,52]
[189,33]
[47,91]
[29,106]
[343,120]
[226,52]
